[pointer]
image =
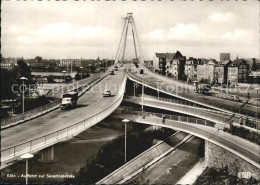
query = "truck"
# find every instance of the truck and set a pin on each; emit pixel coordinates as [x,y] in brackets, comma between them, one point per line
[69,100]
[202,88]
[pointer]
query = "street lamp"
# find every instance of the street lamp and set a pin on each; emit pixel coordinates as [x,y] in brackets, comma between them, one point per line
[81,71]
[257,99]
[23,78]
[125,121]
[158,82]
[64,76]
[143,91]
[27,156]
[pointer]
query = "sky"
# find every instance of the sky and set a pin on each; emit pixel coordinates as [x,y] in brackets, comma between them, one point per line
[88,29]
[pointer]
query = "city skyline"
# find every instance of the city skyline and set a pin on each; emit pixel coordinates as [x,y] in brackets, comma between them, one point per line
[92,29]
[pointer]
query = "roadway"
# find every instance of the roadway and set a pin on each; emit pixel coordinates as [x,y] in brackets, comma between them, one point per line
[185,92]
[219,117]
[89,104]
[173,166]
[239,146]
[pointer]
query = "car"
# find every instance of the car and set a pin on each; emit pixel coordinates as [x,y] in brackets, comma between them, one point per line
[111,72]
[234,98]
[106,93]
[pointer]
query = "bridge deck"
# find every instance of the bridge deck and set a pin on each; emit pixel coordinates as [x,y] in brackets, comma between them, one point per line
[89,104]
[247,150]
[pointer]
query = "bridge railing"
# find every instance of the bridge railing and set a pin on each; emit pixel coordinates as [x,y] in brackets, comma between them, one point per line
[189,125]
[41,142]
[184,106]
[178,91]
[38,111]
[149,115]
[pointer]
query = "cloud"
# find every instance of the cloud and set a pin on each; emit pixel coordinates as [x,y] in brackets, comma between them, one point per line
[220,17]
[90,32]
[14,29]
[179,32]
[237,34]
[25,39]
[63,33]
[185,31]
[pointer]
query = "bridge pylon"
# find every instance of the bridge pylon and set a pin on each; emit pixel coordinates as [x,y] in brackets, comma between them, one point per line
[120,54]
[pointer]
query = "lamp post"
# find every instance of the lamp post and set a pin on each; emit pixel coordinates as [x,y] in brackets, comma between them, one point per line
[27,156]
[158,83]
[125,121]
[81,71]
[23,78]
[143,91]
[64,76]
[257,99]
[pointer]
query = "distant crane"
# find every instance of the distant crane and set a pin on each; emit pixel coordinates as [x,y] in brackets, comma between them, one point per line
[120,54]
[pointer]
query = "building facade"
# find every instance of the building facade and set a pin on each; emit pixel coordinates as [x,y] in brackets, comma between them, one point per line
[205,72]
[232,74]
[243,70]
[221,72]
[9,63]
[70,63]
[191,68]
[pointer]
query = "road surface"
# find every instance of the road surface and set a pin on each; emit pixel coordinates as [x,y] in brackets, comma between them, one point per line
[89,104]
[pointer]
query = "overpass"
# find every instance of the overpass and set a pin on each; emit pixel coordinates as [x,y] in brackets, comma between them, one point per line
[220,118]
[187,93]
[56,126]
[246,150]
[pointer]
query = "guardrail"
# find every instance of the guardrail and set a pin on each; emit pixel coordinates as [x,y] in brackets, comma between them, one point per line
[182,108]
[146,115]
[45,108]
[188,125]
[192,109]
[178,92]
[41,142]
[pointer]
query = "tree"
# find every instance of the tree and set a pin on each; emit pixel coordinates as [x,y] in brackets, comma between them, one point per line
[38,59]
[8,79]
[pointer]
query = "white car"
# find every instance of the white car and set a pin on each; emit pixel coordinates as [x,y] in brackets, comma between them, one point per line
[106,93]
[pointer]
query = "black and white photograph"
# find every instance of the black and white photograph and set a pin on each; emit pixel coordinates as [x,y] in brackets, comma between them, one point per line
[130,92]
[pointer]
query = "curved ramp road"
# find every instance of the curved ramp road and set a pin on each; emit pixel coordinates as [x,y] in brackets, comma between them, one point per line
[245,149]
[89,104]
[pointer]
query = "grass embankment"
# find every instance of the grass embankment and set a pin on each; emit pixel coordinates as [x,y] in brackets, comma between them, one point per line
[244,133]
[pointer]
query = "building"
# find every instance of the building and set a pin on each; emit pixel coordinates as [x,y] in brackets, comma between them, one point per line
[177,66]
[243,70]
[170,64]
[224,56]
[159,63]
[205,72]
[70,63]
[191,68]
[232,78]
[221,72]
[9,63]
